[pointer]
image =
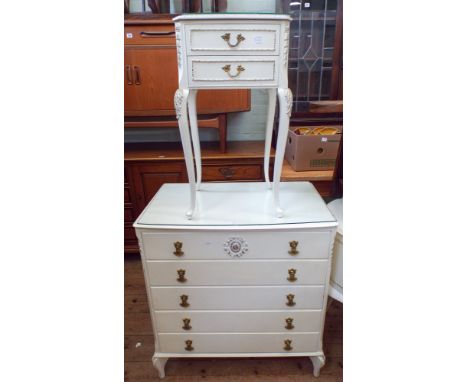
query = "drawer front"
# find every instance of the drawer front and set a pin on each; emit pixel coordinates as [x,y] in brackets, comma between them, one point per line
[221,245]
[149,35]
[238,321]
[237,272]
[241,298]
[239,343]
[234,39]
[234,172]
[233,71]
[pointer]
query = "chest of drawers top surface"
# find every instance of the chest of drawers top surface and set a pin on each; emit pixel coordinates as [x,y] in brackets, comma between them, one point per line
[236,204]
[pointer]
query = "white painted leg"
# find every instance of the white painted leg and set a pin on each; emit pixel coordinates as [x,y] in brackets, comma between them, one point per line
[269,132]
[192,108]
[180,102]
[285,105]
[160,364]
[318,361]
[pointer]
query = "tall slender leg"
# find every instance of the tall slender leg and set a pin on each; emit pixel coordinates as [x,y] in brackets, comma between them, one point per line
[180,102]
[160,363]
[192,108]
[318,361]
[269,132]
[285,105]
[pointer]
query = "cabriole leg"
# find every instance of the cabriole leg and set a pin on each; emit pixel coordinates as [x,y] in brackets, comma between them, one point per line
[192,108]
[318,361]
[269,132]
[285,105]
[180,102]
[160,363]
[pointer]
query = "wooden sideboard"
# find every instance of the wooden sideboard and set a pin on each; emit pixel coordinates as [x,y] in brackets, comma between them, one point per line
[150,79]
[148,166]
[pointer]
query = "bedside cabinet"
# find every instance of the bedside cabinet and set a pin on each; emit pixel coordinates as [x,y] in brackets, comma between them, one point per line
[235,281]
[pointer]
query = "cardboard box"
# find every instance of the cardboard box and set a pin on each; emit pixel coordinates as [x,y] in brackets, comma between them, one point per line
[312,152]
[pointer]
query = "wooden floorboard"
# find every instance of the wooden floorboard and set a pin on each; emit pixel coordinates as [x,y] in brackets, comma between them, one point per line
[139,347]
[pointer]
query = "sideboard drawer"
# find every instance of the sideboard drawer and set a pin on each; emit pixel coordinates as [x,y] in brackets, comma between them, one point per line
[228,71]
[210,245]
[242,298]
[239,343]
[233,172]
[150,35]
[238,321]
[233,39]
[237,272]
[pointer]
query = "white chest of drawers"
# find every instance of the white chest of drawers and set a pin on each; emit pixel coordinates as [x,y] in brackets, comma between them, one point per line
[237,281]
[225,51]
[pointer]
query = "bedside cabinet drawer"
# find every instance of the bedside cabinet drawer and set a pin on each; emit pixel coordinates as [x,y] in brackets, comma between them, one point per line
[237,272]
[232,71]
[222,245]
[233,39]
[237,298]
[236,321]
[239,343]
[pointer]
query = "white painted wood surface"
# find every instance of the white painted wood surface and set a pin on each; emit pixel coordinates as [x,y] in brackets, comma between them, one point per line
[260,67]
[235,205]
[266,244]
[239,342]
[228,272]
[238,297]
[238,321]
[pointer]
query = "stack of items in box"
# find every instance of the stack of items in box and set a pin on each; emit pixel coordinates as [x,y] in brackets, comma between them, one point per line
[313,148]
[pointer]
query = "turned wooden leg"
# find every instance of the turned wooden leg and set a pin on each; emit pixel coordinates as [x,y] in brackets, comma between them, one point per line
[192,108]
[180,102]
[285,105]
[269,133]
[318,361]
[160,363]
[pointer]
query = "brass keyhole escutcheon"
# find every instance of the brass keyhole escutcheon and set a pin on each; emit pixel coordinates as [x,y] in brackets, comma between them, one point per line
[178,249]
[293,244]
[292,274]
[227,37]
[184,301]
[181,273]
[187,325]
[188,346]
[290,298]
[287,345]
[289,324]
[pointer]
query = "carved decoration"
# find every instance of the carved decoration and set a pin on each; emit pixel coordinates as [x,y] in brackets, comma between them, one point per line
[179,46]
[289,100]
[236,246]
[178,100]
[286,46]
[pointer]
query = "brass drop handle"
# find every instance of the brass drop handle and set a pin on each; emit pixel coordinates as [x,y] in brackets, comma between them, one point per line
[287,345]
[290,298]
[184,301]
[181,273]
[292,274]
[188,346]
[178,249]
[289,324]
[186,324]
[227,69]
[293,244]
[227,37]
